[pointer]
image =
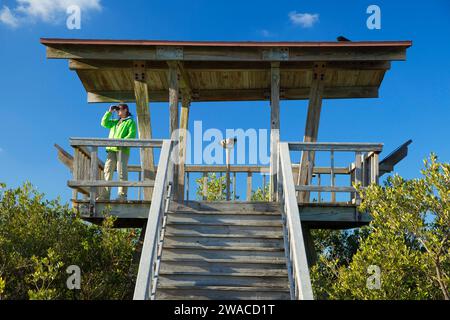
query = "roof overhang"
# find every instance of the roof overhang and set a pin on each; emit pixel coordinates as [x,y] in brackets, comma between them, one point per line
[227,71]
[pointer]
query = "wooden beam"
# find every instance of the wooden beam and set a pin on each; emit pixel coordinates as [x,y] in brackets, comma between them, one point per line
[228,66]
[173,115]
[173,97]
[185,105]
[274,126]
[238,95]
[311,127]
[144,124]
[232,53]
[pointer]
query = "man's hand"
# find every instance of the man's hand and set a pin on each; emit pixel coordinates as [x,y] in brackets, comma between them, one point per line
[111,108]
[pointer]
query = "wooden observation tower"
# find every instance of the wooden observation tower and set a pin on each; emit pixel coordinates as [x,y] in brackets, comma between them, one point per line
[227,249]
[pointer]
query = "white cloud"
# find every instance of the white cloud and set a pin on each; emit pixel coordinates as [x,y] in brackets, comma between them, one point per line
[8,18]
[266,33]
[43,10]
[304,20]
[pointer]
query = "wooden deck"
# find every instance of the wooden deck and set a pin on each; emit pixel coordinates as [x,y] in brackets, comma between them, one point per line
[314,215]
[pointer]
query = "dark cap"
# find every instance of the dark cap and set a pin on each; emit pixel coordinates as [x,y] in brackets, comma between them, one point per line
[123,106]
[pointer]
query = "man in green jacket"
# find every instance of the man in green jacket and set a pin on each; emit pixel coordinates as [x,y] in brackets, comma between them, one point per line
[122,128]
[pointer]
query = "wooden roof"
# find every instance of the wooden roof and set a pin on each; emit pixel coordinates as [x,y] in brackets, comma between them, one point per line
[226,71]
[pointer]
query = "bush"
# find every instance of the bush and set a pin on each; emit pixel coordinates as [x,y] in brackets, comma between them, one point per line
[39,239]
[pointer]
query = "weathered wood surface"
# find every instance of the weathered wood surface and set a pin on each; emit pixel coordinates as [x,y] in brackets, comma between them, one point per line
[144,123]
[96,95]
[184,120]
[293,225]
[325,51]
[103,183]
[313,188]
[311,127]
[146,272]
[336,146]
[274,126]
[106,142]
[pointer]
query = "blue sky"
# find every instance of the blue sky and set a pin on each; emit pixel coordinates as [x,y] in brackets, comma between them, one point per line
[44,103]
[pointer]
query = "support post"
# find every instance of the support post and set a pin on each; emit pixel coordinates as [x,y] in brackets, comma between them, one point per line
[173,115]
[274,126]
[249,186]
[144,124]
[93,177]
[185,105]
[311,128]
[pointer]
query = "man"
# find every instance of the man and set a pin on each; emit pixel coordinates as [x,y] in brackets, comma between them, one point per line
[122,128]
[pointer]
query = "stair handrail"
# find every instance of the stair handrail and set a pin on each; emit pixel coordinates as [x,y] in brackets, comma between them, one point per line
[150,254]
[299,277]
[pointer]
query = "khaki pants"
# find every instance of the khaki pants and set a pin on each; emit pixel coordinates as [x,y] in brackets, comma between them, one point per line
[112,162]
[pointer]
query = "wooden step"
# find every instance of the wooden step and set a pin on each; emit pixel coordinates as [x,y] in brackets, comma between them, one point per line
[190,280]
[221,293]
[229,206]
[224,231]
[224,268]
[236,243]
[224,255]
[224,219]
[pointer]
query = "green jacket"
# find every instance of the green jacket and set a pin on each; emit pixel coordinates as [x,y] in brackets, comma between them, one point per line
[125,130]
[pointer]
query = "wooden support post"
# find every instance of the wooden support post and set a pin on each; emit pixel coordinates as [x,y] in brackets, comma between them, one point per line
[173,115]
[187,186]
[75,170]
[173,99]
[319,194]
[249,186]
[374,174]
[311,254]
[274,126]
[185,105]
[234,185]
[205,185]
[311,127]
[144,124]
[93,177]
[358,173]
[264,186]
[333,194]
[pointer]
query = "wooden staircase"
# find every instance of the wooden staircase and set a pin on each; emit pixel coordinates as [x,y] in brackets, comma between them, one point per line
[223,250]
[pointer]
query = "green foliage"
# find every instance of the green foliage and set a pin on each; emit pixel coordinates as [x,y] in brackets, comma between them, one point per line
[408,240]
[261,194]
[2,287]
[39,239]
[216,187]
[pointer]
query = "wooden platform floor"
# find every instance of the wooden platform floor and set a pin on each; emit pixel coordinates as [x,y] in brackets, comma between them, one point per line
[133,213]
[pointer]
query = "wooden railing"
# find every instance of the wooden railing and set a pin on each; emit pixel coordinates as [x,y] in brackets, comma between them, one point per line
[230,186]
[248,171]
[87,169]
[299,278]
[363,171]
[147,277]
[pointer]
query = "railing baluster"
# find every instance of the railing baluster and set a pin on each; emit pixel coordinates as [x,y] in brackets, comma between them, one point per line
[187,186]
[93,177]
[249,186]
[205,185]
[358,174]
[333,194]
[234,185]
[319,194]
